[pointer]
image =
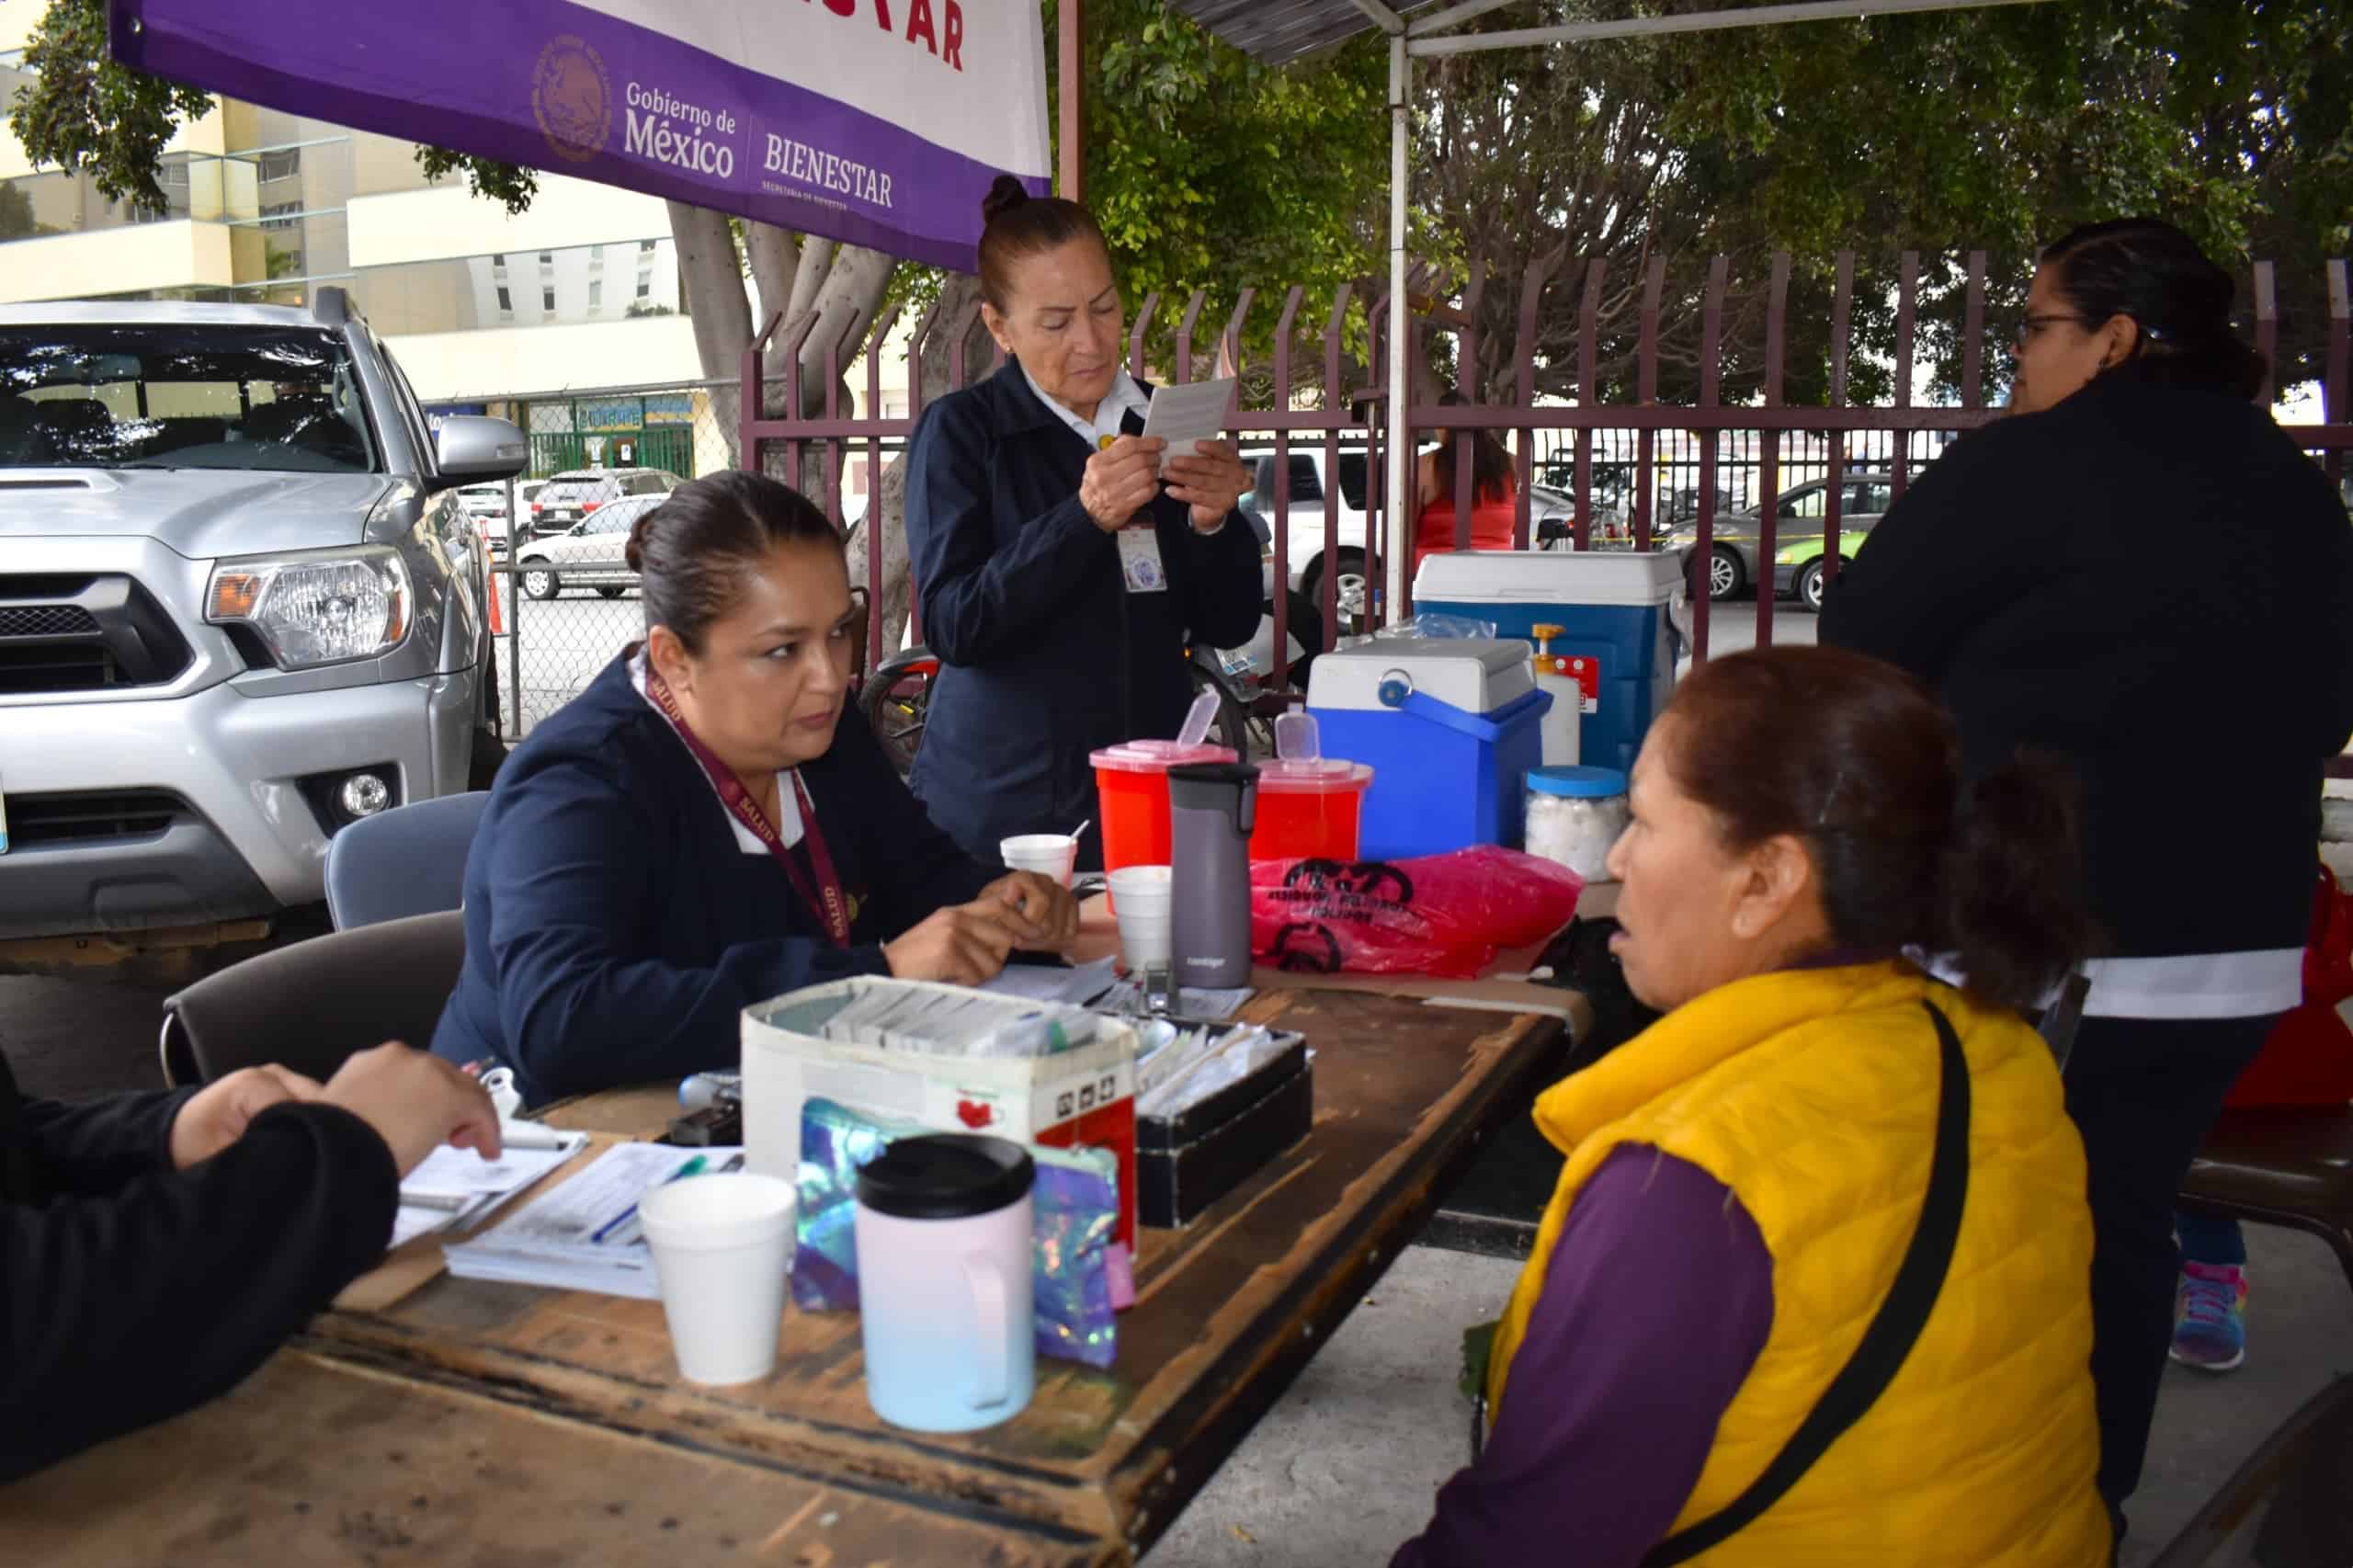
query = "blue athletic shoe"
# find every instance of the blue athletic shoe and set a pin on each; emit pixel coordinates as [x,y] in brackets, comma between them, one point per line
[2210,1317]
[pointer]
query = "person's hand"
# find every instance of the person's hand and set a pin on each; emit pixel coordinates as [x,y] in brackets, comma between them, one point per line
[416,1102]
[218,1115]
[964,944]
[1120,480]
[1212,483]
[1044,914]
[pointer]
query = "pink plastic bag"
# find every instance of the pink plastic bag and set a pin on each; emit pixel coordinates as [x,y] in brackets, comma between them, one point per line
[1443,914]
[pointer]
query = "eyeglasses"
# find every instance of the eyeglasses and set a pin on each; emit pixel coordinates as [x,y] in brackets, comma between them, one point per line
[2029,325]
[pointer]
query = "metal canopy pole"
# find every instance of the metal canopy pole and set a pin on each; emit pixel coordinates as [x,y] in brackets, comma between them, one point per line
[1652,27]
[1071,19]
[1399,492]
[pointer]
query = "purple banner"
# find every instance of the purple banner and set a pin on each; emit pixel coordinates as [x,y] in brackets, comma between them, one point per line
[572,89]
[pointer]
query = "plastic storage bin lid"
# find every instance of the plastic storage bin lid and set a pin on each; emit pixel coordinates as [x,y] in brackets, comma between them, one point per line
[1541,578]
[1577,783]
[1156,756]
[1313,776]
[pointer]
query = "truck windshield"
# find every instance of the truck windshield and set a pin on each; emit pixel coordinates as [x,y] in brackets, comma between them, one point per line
[170,395]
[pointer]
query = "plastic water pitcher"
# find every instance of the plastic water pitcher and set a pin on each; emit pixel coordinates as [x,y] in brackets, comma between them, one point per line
[1212,807]
[944,1239]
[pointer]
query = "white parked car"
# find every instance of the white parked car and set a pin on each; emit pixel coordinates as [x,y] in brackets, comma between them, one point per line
[486,506]
[591,554]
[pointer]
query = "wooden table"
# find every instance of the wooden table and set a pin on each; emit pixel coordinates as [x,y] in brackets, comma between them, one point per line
[468,1401]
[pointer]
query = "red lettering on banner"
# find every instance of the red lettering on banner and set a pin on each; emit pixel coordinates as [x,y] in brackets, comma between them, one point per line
[842,7]
[919,22]
[955,53]
[883,15]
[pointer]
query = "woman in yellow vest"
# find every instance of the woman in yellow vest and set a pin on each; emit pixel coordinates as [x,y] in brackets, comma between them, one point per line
[1815,1285]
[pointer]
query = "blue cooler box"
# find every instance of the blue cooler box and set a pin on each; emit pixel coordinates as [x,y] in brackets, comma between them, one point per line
[1448,726]
[1618,607]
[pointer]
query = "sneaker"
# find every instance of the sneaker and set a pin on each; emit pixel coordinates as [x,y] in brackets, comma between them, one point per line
[2210,1317]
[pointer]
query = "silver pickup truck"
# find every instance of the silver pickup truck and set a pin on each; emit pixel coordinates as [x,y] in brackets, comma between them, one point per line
[241,606]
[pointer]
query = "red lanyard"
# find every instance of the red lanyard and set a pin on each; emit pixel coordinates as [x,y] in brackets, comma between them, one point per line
[825,900]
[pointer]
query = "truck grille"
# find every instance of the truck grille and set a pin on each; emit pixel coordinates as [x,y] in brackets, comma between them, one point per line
[92,817]
[61,635]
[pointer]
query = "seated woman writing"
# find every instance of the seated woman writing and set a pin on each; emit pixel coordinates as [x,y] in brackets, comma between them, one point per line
[700,829]
[1815,1284]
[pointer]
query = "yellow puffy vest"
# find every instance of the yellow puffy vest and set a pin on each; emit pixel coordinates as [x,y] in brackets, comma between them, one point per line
[1811,1094]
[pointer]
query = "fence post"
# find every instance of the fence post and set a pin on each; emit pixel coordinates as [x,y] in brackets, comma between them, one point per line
[1777,303]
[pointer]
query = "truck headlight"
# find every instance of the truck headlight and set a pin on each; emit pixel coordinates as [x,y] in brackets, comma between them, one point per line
[318,608]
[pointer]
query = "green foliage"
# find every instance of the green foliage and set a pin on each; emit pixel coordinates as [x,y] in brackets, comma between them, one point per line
[1995,129]
[17,220]
[510,184]
[86,114]
[1208,171]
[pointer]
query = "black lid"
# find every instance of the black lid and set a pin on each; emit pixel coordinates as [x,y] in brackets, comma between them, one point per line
[1214,773]
[946,1175]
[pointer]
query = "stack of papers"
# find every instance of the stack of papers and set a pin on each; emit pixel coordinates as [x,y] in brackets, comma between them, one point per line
[1098,986]
[455,1187]
[581,1234]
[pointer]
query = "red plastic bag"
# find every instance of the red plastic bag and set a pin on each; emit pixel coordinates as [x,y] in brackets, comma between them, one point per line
[1444,914]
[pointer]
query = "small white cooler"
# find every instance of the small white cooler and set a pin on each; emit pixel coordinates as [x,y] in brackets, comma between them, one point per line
[1617,607]
[1448,726]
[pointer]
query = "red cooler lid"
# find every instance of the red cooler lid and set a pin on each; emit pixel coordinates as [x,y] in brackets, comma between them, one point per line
[1156,756]
[1313,776]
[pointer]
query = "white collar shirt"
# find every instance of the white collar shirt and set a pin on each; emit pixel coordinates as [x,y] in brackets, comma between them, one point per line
[788,800]
[1125,397]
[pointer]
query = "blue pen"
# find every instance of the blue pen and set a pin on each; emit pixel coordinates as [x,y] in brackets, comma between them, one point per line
[626,1215]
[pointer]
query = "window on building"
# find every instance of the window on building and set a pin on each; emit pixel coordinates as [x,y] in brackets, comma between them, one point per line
[645,248]
[505,300]
[596,293]
[279,214]
[645,288]
[282,164]
[547,258]
[498,262]
[547,298]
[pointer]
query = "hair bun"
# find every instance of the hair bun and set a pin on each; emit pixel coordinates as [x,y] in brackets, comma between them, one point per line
[640,533]
[1007,193]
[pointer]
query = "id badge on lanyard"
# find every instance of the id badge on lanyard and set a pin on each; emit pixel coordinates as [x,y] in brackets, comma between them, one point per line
[825,900]
[1139,563]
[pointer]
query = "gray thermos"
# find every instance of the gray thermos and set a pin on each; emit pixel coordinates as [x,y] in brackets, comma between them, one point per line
[1211,808]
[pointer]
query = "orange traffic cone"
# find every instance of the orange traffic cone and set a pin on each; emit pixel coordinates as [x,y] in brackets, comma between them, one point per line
[497,617]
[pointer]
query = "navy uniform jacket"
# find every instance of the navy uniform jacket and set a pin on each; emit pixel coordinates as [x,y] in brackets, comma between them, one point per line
[2137,579]
[135,1290]
[615,928]
[1045,656]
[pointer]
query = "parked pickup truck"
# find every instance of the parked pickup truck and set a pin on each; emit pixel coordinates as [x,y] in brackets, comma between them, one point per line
[241,606]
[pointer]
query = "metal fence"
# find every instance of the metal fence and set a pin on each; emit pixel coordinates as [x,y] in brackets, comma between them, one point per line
[1620,463]
[1623,474]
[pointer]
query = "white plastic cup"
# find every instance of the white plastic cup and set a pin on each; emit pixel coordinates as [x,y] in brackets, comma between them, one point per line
[722,1250]
[1049,854]
[1141,896]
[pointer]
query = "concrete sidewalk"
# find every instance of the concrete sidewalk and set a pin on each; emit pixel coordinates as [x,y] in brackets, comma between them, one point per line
[1344,1470]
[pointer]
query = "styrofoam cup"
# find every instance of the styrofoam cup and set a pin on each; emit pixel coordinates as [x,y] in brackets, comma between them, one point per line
[723,1247]
[1141,897]
[1047,854]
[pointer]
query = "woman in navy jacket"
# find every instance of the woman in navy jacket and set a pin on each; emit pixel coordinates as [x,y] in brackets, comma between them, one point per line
[1060,582]
[700,829]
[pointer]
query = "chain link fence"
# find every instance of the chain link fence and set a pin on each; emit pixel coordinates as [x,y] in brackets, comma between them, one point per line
[566,602]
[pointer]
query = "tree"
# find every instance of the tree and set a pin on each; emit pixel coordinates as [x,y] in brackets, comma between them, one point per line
[1995,130]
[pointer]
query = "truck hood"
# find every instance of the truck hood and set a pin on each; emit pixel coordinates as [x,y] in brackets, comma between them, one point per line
[200,513]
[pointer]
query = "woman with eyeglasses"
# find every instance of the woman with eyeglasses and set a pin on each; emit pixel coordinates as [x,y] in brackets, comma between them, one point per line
[2140,575]
[705,827]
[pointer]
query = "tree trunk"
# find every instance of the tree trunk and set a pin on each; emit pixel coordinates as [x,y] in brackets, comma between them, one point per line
[775,256]
[713,279]
[886,510]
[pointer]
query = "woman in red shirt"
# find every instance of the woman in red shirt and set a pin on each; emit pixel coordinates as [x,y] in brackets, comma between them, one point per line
[1493,492]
